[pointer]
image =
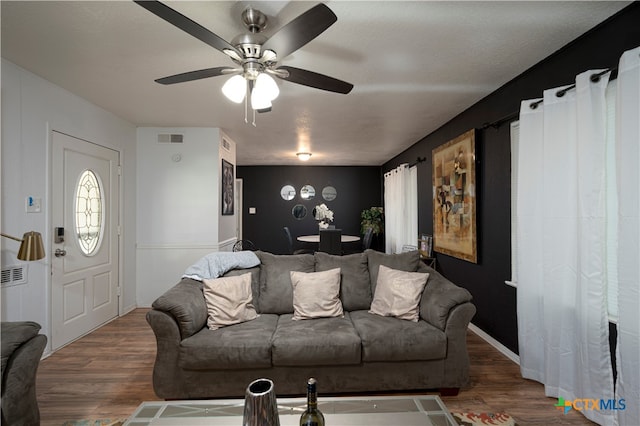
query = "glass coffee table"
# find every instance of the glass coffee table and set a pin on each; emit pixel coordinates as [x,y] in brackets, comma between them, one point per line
[410,410]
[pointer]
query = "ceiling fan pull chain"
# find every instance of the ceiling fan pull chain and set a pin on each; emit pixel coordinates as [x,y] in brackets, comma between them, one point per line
[246,105]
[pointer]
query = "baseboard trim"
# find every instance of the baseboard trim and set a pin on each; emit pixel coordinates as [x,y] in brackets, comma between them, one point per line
[493,342]
[128,309]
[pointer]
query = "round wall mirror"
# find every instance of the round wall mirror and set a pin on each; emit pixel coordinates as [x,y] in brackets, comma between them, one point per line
[288,192]
[307,192]
[329,193]
[299,211]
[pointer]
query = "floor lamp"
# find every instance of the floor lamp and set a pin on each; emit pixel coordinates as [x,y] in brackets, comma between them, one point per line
[31,247]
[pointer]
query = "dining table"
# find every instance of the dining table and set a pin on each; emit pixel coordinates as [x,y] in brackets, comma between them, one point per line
[316,238]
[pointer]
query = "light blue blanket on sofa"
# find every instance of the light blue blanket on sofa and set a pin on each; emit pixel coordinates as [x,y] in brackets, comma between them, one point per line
[217,264]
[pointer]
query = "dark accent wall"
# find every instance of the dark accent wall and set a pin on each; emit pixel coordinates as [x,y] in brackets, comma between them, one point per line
[358,188]
[495,301]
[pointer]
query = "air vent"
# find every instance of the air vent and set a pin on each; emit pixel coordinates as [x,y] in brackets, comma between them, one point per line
[226,145]
[170,138]
[14,275]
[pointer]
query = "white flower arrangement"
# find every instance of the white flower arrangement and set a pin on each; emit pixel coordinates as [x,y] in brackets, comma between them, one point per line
[323,215]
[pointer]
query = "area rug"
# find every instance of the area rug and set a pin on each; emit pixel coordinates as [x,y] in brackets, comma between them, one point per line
[479,419]
[99,422]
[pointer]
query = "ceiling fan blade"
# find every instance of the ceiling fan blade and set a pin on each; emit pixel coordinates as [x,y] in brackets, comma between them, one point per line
[193,28]
[196,75]
[300,31]
[313,79]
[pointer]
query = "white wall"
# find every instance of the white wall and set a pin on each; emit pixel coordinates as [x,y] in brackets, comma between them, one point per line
[31,108]
[178,206]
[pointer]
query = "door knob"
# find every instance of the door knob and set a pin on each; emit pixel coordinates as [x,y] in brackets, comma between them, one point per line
[60,252]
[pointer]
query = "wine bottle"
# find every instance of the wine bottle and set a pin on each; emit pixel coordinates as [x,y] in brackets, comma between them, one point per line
[312,416]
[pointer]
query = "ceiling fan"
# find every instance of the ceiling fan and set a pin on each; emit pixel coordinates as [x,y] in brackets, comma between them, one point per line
[256,56]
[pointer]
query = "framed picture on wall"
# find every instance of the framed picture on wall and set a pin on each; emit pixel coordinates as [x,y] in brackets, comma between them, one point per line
[227,188]
[454,198]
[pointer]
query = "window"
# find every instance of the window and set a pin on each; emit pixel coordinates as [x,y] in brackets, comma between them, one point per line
[88,213]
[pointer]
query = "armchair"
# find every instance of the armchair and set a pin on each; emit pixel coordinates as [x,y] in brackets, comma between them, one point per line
[22,349]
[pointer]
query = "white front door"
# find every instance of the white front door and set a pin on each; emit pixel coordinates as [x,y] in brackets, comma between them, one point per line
[84,249]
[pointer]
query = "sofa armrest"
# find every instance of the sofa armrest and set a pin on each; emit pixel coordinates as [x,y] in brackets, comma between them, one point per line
[186,304]
[438,298]
[457,363]
[168,340]
[19,402]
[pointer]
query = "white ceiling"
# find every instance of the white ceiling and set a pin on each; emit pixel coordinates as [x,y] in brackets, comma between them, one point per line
[415,65]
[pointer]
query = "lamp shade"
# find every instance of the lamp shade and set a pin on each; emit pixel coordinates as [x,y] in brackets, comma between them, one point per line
[260,98]
[268,85]
[31,247]
[235,88]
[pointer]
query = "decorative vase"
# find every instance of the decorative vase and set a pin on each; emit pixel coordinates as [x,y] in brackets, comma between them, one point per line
[260,405]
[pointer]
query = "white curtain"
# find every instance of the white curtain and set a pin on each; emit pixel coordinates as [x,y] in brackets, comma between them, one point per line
[561,219]
[628,158]
[400,208]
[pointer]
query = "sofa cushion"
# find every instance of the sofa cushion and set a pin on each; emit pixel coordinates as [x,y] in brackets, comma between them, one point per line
[320,341]
[398,293]
[315,294]
[255,281]
[408,262]
[276,292]
[238,346]
[229,300]
[393,339]
[355,284]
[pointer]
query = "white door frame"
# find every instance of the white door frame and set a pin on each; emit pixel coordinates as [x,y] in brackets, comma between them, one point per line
[238,202]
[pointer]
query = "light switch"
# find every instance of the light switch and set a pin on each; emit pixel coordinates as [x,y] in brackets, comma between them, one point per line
[252,210]
[33,205]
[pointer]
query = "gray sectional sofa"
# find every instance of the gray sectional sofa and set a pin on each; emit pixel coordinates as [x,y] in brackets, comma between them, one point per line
[357,352]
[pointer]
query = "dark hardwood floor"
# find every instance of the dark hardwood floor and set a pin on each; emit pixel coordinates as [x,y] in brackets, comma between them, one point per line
[107,374]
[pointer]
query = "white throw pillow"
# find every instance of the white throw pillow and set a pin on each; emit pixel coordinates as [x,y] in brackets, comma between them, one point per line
[316,294]
[229,300]
[398,293]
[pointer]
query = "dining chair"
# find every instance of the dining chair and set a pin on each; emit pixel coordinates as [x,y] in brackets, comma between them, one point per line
[330,241]
[241,245]
[366,239]
[287,234]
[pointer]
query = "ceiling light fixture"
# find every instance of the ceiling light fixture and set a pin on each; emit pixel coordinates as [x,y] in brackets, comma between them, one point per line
[257,56]
[260,88]
[303,156]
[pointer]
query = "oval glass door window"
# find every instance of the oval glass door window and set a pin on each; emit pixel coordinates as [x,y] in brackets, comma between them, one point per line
[89,215]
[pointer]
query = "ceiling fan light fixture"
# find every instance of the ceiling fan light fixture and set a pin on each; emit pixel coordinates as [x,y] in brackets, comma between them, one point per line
[265,83]
[304,156]
[260,99]
[235,89]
